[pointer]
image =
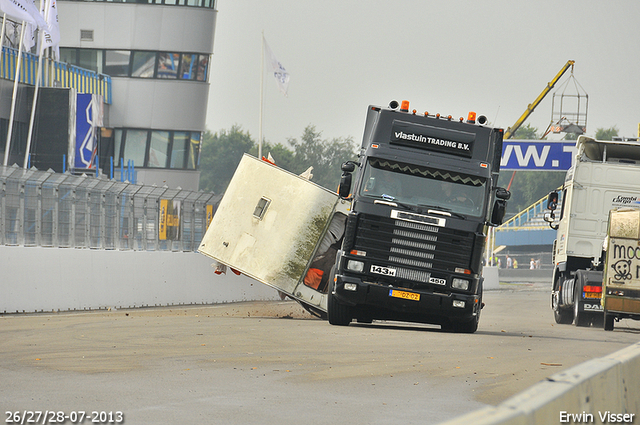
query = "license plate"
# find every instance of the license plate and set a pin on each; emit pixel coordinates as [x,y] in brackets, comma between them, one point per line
[404,295]
[383,270]
[592,295]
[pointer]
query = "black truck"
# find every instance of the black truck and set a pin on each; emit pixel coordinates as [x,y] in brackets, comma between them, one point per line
[403,239]
[422,195]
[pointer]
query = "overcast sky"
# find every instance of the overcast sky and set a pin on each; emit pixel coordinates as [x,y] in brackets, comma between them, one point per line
[448,57]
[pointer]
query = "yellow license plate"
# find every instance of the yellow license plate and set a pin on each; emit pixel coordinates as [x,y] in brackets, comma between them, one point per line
[403,294]
[592,295]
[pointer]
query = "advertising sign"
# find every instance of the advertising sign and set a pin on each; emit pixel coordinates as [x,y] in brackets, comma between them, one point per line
[537,155]
[88,119]
[169,220]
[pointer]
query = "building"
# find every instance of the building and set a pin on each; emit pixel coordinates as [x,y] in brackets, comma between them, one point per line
[157,54]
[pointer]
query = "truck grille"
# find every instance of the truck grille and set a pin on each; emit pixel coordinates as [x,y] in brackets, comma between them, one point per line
[414,249]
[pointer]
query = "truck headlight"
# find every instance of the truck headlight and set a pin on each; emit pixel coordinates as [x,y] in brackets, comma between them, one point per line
[355,266]
[458,303]
[460,284]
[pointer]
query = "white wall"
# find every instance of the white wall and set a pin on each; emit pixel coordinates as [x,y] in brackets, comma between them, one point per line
[46,279]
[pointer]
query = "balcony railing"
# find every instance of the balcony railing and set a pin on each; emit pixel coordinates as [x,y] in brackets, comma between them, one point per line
[54,74]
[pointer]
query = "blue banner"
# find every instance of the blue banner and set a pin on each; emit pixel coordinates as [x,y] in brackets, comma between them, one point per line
[537,155]
[86,138]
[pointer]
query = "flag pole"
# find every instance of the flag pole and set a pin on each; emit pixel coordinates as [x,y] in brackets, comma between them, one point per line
[261,98]
[4,21]
[37,86]
[13,98]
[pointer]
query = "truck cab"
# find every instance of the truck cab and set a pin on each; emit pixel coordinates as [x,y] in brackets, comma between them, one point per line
[604,176]
[422,193]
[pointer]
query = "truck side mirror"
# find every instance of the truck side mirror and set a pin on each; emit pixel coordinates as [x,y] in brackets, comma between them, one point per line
[502,193]
[552,201]
[498,212]
[348,167]
[344,190]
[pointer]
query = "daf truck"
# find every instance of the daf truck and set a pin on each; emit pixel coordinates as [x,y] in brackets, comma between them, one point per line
[604,176]
[403,239]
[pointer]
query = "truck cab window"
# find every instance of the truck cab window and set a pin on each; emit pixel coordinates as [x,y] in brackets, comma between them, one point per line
[421,186]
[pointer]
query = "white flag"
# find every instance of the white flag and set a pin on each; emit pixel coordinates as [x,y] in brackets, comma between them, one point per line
[23,10]
[29,39]
[281,75]
[52,36]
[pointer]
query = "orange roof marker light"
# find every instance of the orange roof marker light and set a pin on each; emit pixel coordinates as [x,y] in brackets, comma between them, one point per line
[404,107]
[471,119]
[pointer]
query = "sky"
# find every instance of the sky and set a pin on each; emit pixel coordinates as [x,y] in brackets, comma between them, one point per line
[493,57]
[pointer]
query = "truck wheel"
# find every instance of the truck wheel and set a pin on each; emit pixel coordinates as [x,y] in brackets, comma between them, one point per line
[608,321]
[563,316]
[579,319]
[338,314]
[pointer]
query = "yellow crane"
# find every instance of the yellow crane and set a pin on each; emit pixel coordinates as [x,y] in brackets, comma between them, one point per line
[511,130]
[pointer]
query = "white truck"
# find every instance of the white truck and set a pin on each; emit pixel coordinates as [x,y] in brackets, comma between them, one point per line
[604,176]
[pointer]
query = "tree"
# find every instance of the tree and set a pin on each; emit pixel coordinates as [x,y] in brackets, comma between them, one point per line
[325,156]
[526,133]
[282,155]
[606,133]
[220,156]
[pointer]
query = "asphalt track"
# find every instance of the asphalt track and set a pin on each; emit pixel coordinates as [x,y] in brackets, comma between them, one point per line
[273,363]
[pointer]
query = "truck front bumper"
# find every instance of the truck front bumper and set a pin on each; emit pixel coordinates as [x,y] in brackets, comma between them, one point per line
[375,301]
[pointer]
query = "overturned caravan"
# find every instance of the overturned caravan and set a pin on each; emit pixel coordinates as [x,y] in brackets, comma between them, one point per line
[279,229]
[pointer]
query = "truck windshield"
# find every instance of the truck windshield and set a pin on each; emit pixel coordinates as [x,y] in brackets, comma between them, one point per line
[423,187]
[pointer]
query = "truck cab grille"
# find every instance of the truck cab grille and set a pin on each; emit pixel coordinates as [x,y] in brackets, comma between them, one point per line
[415,250]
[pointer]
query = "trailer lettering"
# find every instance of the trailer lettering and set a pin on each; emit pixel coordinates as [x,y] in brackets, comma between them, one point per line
[626,252]
[625,200]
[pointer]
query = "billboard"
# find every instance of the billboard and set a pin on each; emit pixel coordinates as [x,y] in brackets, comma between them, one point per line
[169,219]
[537,155]
[89,115]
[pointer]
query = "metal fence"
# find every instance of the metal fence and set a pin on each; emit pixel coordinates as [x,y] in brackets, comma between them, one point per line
[44,208]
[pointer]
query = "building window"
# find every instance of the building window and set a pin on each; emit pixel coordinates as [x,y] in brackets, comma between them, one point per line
[158,149]
[117,146]
[143,64]
[194,151]
[203,68]
[116,62]
[179,149]
[209,4]
[168,64]
[135,146]
[140,64]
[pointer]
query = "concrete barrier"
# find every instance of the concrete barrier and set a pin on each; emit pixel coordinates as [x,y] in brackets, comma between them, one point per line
[58,279]
[491,277]
[600,391]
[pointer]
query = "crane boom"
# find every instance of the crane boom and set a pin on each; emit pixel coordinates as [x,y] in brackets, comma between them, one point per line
[511,130]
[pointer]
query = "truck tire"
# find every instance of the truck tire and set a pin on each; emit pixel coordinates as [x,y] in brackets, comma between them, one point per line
[579,318]
[563,316]
[338,314]
[608,321]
